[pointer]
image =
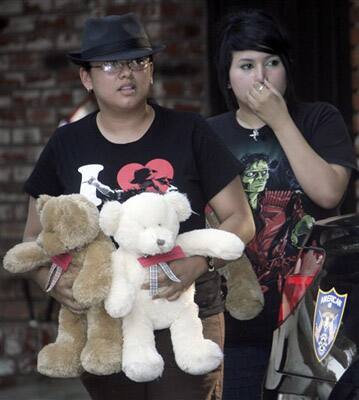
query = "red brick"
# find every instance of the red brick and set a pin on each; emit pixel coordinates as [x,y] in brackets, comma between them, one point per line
[12,155]
[11,42]
[118,9]
[70,6]
[21,173]
[14,310]
[356,123]
[196,89]
[4,136]
[173,49]
[69,77]
[5,174]
[37,6]
[12,230]
[41,116]
[56,97]
[187,107]
[40,79]
[354,36]
[13,285]
[24,60]
[12,79]
[169,9]
[355,102]
[26,135]
[12,7]
[25,98]
[6,213]
[355,80]
[51,22]
[354,14]
[12,192]
[173,88]
[20,24]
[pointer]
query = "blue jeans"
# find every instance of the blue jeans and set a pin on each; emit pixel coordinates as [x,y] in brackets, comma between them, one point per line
[244,369]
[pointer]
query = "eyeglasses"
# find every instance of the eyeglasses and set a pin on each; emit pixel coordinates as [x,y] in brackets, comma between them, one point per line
[117,66]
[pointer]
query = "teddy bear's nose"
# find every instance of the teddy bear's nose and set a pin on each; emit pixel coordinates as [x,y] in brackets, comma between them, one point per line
[161,242]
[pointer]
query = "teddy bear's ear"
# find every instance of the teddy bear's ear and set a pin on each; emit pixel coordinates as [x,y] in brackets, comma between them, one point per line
[180,203]
[41,201]
[110,217]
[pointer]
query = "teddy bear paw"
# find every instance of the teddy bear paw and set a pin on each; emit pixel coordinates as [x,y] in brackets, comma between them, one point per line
[144,366]
[202,358]
[229,249]
[59,361]
[116,308]
[102,356]
[246,305]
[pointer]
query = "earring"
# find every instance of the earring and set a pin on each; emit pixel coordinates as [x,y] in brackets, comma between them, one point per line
[151,81]
[89,90]
[229,86]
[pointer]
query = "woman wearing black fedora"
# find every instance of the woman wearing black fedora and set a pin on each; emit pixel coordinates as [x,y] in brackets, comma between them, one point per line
[130,145]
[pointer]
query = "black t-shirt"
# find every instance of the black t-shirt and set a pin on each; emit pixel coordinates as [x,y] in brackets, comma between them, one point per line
[179,151]
[283,213]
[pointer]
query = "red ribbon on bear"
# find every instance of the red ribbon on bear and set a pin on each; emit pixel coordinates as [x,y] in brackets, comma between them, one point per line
[60,264]
[160,261]
[175,254]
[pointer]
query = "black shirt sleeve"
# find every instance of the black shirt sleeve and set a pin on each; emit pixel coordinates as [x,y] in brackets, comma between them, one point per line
[327,134]
[44,178]
[216,165]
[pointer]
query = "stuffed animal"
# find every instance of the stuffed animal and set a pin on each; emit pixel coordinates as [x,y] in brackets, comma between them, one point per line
[71,240]
[147,225]
[244,299]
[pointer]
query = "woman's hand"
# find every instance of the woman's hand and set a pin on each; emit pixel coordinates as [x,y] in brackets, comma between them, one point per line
[187,271]
[268,104]
[62,291]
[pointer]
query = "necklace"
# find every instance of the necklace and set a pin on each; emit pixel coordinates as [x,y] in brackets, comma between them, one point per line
[255,131]
[254,135]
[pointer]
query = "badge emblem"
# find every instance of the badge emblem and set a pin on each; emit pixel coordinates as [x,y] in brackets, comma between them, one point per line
[329,310]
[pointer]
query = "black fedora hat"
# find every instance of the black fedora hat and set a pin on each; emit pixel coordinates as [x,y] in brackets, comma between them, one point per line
[114,37]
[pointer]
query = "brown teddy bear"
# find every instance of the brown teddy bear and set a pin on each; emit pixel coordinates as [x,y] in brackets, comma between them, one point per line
[244,298]
[71,238]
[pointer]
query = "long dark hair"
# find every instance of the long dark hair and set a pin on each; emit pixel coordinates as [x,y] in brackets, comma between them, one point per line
[251,29]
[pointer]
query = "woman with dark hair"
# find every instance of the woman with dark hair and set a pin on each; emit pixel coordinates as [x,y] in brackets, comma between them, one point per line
[128,146]
[303,177]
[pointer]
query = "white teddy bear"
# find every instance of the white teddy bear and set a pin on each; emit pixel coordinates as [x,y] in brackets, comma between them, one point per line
[146,225]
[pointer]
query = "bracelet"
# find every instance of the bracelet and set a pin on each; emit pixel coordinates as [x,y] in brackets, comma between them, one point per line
[210,262]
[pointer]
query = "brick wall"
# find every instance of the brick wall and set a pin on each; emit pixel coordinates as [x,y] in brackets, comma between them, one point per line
[39,87]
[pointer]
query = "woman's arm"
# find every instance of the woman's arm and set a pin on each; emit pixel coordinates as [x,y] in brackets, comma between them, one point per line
[62,292]
[324,183]
[234,213]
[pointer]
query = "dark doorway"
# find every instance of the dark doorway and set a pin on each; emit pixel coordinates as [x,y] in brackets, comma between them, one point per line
[319,32]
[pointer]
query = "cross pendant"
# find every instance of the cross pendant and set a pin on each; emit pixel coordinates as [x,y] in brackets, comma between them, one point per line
[254,135]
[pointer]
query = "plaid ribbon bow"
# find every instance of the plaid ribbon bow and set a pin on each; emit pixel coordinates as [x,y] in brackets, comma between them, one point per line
[59,265]
[160,261]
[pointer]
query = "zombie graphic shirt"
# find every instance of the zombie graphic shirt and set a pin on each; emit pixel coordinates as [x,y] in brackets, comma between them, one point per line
[178,152]
[283,213]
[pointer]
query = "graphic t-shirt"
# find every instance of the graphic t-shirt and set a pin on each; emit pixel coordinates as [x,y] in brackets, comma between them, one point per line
[178,152]
[283,213]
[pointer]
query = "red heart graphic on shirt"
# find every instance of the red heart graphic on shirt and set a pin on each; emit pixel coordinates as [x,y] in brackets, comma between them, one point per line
[155,176]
